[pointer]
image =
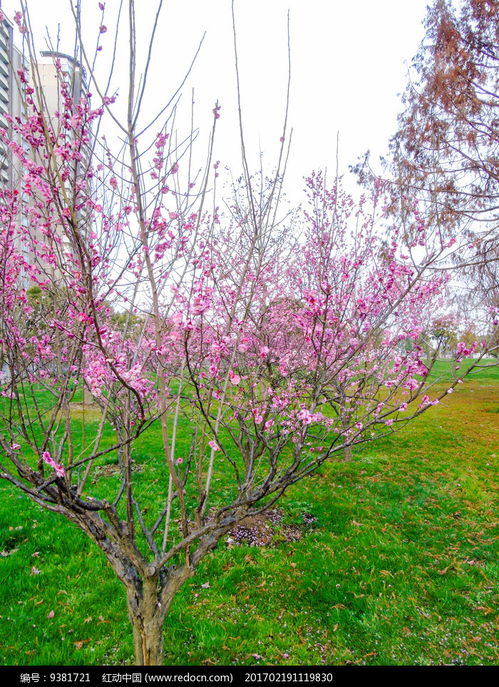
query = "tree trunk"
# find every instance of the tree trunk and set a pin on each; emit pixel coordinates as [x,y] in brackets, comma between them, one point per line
[149,600]
[88,399]
[147,615]
[345,425]
[347,454]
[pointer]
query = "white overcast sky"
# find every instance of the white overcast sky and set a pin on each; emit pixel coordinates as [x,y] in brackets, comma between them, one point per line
[349,65]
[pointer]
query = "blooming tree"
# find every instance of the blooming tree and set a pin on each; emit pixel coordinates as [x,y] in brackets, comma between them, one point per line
[271,343]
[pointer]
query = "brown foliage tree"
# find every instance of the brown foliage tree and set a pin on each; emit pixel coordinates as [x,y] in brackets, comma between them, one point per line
[446,147]
[444,158]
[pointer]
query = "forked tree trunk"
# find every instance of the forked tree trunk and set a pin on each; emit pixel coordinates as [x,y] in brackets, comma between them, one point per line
[149,601]
[147,641]
[88,399]
[345,425]
[147,615]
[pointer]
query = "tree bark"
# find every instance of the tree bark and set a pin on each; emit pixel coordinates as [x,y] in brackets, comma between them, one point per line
[345,425]
[149,600]
[147,614]
[347,454]
[88,399]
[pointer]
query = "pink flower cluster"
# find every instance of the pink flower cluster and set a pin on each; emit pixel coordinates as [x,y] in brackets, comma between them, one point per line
[58,469]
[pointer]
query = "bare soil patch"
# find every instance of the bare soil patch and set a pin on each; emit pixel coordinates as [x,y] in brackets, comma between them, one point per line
[267,529]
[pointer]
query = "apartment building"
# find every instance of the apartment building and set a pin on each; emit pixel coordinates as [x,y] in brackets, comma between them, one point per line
[47,72]
[11,104]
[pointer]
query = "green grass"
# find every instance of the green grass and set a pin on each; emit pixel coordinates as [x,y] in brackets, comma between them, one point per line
[399,566]
[487,373]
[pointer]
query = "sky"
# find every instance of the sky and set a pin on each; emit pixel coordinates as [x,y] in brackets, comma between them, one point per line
[349,65]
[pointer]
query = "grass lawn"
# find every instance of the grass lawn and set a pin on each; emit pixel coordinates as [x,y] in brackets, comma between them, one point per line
[395,565]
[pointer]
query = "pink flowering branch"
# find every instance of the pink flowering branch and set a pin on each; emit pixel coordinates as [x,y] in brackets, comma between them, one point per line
[268,339]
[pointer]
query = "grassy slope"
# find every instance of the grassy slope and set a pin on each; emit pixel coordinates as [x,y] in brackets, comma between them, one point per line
[398,567]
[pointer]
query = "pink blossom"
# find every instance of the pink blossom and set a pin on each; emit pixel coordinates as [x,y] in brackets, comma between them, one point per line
[305,416]
[412,384]
[244,345]
[234,378]
[200,305]
[83,317]
[213,444]
[59,470]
